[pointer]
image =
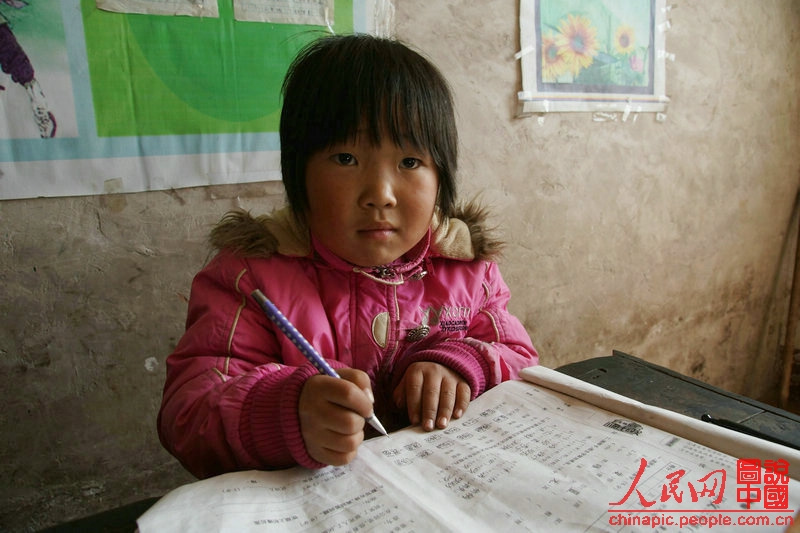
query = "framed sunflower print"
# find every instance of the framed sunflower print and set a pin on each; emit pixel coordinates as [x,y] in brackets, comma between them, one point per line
[592,55]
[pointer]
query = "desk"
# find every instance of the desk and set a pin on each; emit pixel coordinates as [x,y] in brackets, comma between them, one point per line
[661,387]
[119,520]
[620,373]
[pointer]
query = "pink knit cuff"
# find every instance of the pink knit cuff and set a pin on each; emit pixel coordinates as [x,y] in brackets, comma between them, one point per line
[270,424]
[458,356]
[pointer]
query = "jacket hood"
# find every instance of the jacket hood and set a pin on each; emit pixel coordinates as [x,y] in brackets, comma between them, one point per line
[463,237]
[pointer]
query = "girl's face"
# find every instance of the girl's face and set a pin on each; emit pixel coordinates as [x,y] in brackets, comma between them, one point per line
[370,204]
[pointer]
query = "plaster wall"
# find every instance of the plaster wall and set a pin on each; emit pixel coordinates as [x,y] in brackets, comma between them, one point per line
[672,241]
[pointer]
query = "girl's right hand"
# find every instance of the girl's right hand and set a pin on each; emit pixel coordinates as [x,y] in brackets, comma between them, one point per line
[332,413]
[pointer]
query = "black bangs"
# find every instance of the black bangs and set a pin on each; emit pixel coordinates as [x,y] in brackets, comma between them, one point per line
[343,86]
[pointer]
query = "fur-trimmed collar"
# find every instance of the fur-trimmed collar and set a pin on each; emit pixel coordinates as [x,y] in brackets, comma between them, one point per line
[462,237]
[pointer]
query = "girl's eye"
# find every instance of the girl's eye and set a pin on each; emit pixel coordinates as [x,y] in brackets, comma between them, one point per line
[410,163]
[345,159]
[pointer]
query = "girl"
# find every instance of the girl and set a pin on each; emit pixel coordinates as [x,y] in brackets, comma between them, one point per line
[371,261]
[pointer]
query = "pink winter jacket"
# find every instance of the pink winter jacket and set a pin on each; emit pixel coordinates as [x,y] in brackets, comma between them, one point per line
[233,382]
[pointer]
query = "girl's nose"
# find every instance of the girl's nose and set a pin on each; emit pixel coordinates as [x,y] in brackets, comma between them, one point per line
[378,189]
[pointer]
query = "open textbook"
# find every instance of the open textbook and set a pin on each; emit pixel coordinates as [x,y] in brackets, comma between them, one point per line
[550,453]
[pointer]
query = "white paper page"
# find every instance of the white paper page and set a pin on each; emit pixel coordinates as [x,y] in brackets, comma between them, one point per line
[194,8]
[312,12]
[524,458]
[333,499]
[537,460]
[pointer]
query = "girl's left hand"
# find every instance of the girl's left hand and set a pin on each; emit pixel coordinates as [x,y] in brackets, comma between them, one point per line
[432,394]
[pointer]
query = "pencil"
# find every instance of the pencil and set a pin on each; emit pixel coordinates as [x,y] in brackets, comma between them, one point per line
[741,428]
[313,356]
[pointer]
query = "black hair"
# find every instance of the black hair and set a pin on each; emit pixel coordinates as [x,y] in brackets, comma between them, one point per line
[339,84]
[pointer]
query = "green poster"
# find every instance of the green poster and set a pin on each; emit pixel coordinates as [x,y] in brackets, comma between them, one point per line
[179,75]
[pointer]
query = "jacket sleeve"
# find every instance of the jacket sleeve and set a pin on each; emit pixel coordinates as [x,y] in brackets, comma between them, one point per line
[230,402]
[495,348]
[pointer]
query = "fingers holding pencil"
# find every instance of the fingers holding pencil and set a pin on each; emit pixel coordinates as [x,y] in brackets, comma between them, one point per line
[332,413]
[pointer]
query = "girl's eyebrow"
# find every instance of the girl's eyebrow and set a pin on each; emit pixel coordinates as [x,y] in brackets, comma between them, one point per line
[408,143]
[405,141]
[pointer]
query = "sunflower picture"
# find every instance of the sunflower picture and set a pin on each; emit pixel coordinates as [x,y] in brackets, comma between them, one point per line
[595,45]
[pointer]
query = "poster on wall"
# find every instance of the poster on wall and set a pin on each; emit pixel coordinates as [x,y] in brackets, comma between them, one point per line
[592,55]
[111,96]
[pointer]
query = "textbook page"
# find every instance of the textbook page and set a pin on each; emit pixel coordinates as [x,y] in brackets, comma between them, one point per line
[523,458]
